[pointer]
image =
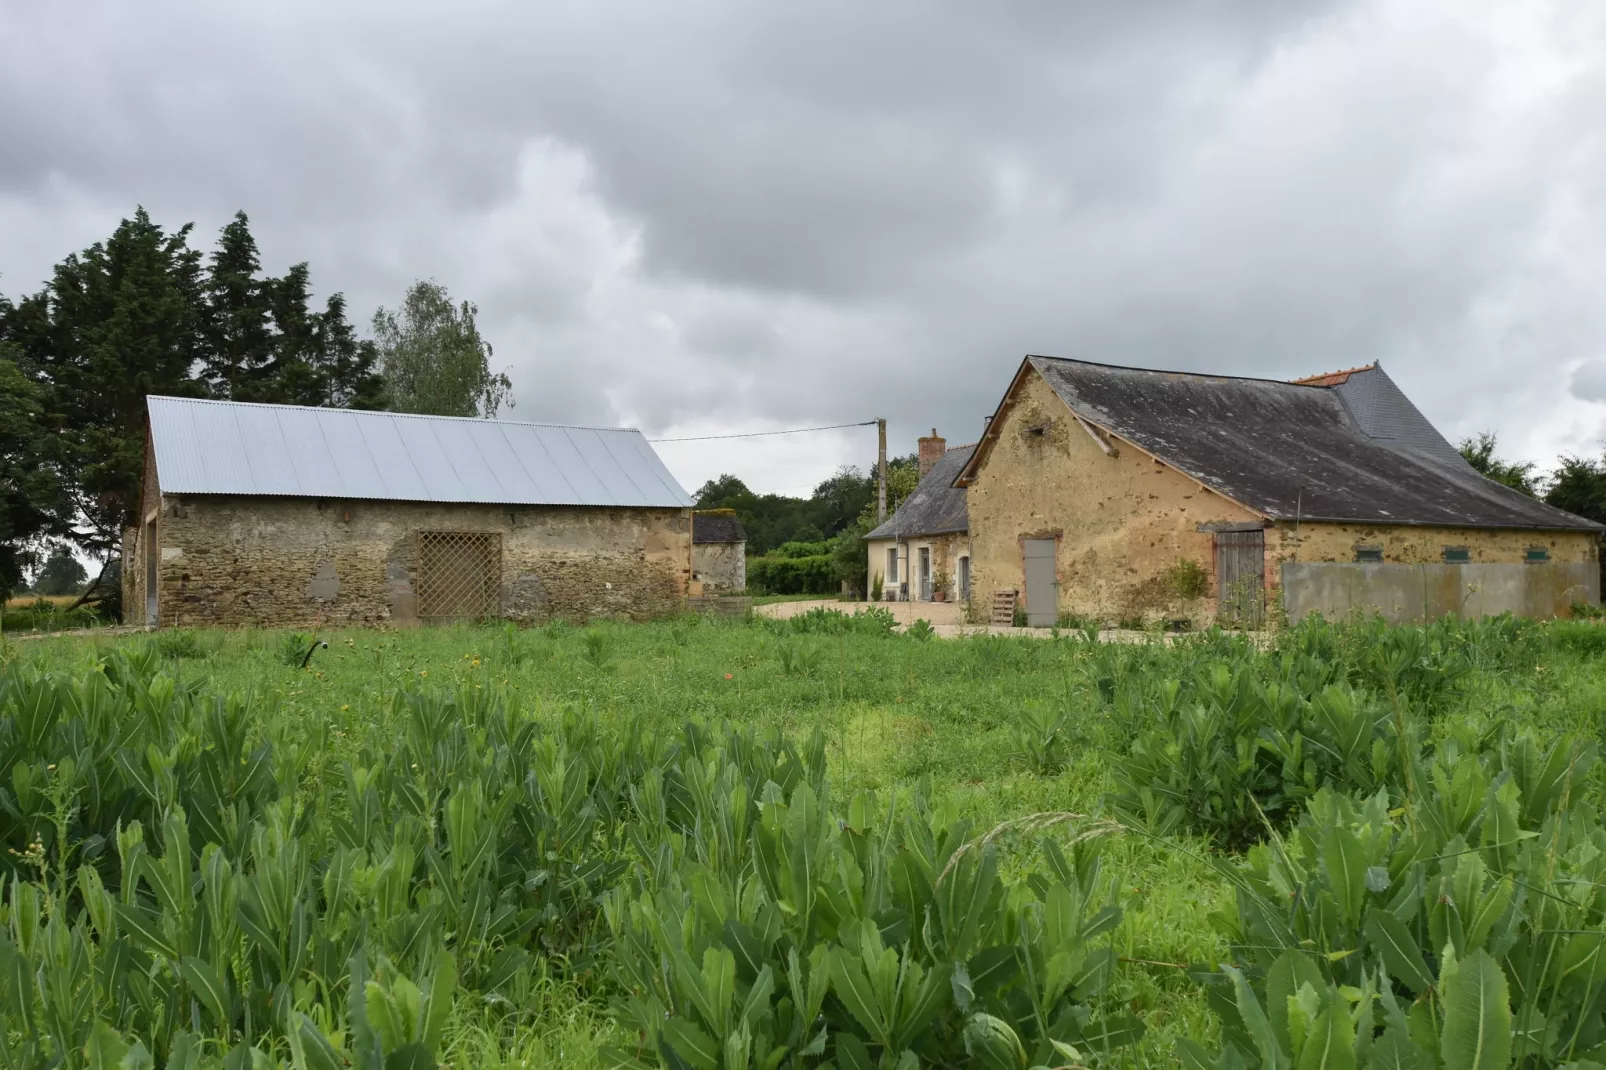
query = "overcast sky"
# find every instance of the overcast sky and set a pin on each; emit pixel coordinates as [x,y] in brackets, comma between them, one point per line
[708,216]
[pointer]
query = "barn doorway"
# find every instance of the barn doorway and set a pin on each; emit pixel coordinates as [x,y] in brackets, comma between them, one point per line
[152,571]
[1241,575]
[459,575]
[1042,586]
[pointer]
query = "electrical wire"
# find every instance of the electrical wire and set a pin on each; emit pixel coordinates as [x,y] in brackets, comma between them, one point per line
[761,434]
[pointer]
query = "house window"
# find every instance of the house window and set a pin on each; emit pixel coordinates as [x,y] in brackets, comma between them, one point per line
[892,565]
[1536,555]
[1368,555]
[1457,555]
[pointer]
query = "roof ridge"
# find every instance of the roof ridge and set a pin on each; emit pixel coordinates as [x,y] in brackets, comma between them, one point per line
[1320,379]
[383,412]
[1166,371]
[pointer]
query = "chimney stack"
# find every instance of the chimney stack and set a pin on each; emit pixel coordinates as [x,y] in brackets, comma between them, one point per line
[931,451]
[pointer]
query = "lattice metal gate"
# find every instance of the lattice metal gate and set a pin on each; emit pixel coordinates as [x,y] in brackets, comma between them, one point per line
[459,575]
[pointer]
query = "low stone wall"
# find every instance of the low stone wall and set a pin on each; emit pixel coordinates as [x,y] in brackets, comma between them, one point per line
[1415,593]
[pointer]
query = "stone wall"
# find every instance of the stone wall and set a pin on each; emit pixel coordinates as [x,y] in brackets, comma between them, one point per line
[1120,522]
[720,566]
[299,561]
[1406,544]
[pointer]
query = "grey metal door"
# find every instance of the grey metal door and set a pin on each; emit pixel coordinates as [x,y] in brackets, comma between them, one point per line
[925,573]
[1241,573]
[1042,587]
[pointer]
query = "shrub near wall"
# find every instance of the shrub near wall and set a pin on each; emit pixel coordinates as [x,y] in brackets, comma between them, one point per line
[793,568]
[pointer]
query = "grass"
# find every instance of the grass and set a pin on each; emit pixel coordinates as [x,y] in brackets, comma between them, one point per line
[895,712]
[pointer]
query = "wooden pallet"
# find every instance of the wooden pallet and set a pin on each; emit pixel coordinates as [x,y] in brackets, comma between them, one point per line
[1004,608]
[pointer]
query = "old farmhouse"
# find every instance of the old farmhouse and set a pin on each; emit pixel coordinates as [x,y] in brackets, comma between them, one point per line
[1123,494]
[282,515]
[922,551]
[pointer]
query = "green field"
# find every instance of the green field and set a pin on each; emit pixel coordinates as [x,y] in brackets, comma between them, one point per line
[525,815]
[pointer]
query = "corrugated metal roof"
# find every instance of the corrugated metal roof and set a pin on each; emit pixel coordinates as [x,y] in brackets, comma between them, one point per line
[229,447]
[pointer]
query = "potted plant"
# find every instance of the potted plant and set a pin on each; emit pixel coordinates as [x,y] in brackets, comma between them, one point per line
[940,583]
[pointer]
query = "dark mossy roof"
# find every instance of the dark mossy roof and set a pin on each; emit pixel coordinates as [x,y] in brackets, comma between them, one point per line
[712,527]
[936,507]
[1355,451]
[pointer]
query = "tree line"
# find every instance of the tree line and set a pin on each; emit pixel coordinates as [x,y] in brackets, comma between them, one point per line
[1577,484]
[146,312]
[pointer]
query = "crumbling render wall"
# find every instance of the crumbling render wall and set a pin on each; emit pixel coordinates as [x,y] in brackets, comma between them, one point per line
[298,561]
[1121,522]
[720,566]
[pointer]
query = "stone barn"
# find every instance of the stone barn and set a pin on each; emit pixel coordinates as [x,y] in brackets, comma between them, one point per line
[718,551]
[1125,494]
[279,515]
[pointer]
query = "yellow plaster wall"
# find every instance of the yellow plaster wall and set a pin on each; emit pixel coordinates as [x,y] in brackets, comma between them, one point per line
[1409,545]
[1121,522]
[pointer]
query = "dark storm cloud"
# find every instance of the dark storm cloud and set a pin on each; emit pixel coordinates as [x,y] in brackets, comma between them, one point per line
[717,214]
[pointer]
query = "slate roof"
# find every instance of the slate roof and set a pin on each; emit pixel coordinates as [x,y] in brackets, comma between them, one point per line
[936,507]
[228,447]
[716,528]
[1356,451]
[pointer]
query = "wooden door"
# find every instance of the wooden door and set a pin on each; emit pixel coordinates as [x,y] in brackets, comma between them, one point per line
[1241,577]
[1042,586]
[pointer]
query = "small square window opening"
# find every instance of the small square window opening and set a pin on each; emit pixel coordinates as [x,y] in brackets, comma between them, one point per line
[1457,555]
[1369,554]
[1536,555]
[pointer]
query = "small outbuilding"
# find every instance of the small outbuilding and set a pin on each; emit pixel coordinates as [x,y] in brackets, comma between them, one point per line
[280,515]
[1126,494]
[718,551]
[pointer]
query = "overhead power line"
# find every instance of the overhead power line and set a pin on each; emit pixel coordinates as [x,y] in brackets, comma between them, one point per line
[761,434]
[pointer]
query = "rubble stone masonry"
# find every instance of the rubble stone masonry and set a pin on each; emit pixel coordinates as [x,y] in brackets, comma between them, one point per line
[298,561]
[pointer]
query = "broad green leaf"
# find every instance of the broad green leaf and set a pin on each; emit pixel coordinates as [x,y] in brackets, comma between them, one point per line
[1477,1016]
[1394,1051]
[1393,942]
[208,988]
[1291,970]
[146,928]
[1330,1044]
[852,1054]
[438,1007]
[691,1044]
[1272,1055]
[1343,859]
[105,1048]
[929,1000]
[618,1059]
[1112,1031]
[852,987]
[1194,1056]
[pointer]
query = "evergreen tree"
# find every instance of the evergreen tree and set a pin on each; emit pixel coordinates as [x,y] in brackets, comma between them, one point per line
[32,503]
[433,357]
[239,309]
[350,366]
[116,322]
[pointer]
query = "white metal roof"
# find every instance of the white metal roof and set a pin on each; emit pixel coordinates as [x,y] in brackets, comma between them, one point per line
[230,447]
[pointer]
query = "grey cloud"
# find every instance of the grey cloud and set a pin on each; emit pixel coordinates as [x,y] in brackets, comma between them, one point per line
[1589,381]
[719,213]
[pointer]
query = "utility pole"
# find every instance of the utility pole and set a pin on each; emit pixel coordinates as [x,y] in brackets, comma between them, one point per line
[881,471]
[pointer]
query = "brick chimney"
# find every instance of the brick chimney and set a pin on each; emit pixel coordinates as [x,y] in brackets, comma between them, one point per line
[931,451]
